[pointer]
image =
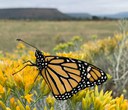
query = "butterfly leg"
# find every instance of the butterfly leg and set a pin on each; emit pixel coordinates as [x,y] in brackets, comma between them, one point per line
[29,61]
[36,77]
[23,68]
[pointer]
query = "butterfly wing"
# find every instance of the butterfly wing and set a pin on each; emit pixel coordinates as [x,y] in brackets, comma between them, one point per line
[66,76]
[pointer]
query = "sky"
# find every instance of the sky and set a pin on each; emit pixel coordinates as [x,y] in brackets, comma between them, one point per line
[71,6]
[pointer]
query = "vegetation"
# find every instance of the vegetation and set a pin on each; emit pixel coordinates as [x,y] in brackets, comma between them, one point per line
[20,92]
[46,34]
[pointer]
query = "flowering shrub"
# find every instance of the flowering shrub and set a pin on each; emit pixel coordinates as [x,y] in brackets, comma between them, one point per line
[72,45]
[22,92]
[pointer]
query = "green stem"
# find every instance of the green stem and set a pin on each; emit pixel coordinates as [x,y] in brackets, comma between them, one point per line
[16,94]
[36,100]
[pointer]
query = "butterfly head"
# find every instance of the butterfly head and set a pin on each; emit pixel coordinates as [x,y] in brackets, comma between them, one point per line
[38,54]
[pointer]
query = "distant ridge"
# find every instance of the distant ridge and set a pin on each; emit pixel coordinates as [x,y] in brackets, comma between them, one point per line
[54,14]
[32,13]
[80,15]
[120,15]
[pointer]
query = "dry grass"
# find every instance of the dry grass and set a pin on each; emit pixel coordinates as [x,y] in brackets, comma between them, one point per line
[46,34]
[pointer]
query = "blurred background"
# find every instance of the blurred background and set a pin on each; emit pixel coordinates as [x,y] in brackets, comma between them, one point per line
[47,23]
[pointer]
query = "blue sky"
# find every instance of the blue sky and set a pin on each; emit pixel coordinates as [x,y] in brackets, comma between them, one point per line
[89,6]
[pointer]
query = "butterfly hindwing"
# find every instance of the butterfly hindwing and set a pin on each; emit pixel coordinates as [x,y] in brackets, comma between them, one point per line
[66,76]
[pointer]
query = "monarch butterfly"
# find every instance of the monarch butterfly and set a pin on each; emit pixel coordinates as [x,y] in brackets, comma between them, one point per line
[66,76]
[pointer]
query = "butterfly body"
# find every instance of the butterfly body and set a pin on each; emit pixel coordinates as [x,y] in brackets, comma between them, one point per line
[40,60]
[66,76]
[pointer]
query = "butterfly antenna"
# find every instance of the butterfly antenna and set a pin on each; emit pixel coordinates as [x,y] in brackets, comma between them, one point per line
[20,40]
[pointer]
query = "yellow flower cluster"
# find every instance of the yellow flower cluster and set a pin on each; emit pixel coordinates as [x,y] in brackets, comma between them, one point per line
[99,47]
[71,45]
[19,87]
[22,92]
[103,101]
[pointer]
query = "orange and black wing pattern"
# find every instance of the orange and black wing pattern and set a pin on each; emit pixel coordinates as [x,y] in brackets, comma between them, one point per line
[66,76]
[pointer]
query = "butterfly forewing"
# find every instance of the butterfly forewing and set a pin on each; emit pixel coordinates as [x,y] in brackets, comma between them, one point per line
[66,76]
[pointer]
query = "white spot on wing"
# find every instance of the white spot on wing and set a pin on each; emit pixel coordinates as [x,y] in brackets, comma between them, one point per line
[67,60]
[88,69]
[85,63]
[79,61]
[88,75]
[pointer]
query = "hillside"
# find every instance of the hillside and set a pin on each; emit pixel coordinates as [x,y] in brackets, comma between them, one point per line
[80,15]
[52,14]
[120,15]
[32,13]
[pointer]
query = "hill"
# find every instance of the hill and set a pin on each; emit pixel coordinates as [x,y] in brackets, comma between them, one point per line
[53,14]
[80,15]
[119,15]
[32,13]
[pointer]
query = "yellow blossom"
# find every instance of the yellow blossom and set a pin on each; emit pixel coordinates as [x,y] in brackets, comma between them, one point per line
[27,107]
[10,82]
[12,103]
[18,108]
[47,90]
[12,100]
[2,90]
[2,78]
[20,46]
[29,75]
[45,108]
[51,108]
[20,105]
[28,97]
[44,88]
[7,108]
[46,53]
[19,80]
[70,55]
[50,101]
[2,105]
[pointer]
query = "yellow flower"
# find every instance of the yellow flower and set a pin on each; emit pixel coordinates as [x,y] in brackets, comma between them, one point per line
[20,46]
[2,90]
[28,79]
[17,108]
[45,108]
[50,100]
[19,80]
[51,108]
[46,53]
[28,97]
[12,100]
[2,105]
[12,103]
[10,81]
[20,105]
[7,108]
[27,107]
[2,78]
[44,88]
[70,55]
